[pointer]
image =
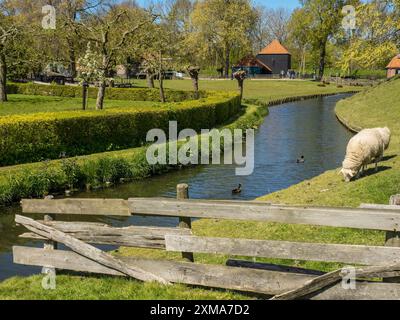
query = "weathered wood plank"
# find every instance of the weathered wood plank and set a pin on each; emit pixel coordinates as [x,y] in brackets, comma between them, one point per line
[334,277]
[368,255]
[379,206]
[97,233]
[103,207]
[86,250]
[242,279]
[271,267]
[392,239]
[258,211]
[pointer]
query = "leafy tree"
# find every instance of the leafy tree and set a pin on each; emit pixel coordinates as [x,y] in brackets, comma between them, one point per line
[373,42]
[8,32]
[325,18]
[223,26]
[298,30]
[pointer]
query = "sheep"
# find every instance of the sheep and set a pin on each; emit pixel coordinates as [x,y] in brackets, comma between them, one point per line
[364,148]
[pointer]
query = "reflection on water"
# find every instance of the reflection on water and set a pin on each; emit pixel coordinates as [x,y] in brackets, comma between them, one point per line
[306,128]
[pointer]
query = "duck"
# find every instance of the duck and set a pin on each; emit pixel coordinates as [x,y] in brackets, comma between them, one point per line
[237,190]
[301,160]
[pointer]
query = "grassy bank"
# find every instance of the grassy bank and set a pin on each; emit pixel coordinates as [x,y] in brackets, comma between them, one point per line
[96,170]
[375,107]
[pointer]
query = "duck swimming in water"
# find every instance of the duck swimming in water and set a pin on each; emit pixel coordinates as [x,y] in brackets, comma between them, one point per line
[301,159]
[237,190]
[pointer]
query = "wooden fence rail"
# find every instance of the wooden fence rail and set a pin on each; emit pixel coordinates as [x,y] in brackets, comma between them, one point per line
[236,275]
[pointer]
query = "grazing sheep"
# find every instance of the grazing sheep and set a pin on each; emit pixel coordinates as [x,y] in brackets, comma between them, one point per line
[364,148]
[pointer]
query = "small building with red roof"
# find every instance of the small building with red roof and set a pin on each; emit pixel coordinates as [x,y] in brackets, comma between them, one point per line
[393,68]
[252,66]
[274,59]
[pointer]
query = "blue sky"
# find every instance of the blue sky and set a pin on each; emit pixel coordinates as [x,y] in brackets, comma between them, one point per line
[290,4]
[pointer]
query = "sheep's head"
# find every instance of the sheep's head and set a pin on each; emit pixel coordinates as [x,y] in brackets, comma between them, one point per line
[348,174]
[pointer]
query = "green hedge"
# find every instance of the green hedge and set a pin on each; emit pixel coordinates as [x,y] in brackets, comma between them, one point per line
[136,94]
[42,136]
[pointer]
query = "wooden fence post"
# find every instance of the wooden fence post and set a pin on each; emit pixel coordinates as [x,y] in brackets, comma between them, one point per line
[182,192]
[392,237]
[48,244]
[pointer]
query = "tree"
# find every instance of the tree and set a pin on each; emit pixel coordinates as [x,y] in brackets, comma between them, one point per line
[298,36]
[373,42]
[69,11]
[223,26]
[89,71]
[8,32]
[325,17]
[109,31]
[270,24]
[240,76]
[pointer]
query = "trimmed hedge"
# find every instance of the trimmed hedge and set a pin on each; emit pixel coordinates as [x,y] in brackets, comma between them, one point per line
[42,136]
[136,94]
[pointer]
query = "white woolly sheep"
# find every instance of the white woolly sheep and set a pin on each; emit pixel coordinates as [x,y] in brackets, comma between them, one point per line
[364,148]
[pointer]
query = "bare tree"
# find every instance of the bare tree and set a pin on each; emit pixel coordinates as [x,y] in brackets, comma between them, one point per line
[7,34]
[110,32]
[270,24]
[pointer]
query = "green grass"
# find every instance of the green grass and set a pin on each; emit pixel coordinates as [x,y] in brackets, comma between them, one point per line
[104,288]
[264,90]
[23,104]
[375,107]
[74,287]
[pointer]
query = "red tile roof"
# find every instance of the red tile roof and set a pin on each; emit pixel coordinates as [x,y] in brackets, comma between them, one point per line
[395,63]
[274,47]
[251,61]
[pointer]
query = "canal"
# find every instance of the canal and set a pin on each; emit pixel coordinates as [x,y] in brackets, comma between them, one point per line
[307,128]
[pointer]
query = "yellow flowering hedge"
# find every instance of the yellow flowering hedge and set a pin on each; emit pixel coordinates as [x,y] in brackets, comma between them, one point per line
[42,136]
[136,94]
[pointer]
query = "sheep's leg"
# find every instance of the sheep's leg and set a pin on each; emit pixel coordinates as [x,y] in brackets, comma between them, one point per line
[376,166]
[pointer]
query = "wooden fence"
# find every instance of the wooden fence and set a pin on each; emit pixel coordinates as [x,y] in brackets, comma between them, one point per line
[245,276]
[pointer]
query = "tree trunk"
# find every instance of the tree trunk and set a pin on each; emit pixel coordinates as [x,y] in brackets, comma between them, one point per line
[195,81]
[72,58]
[100,96]
[227,61]
[322,57]
[194,75]
[241,87]
[3,78]
[84,95]
[240,76]
[161,81]
[150,80]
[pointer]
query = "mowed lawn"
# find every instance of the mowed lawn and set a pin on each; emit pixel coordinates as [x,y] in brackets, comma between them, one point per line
[264,90]
[24,104]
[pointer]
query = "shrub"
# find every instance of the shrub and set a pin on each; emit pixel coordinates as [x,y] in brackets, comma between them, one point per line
[42,136]
[136,94]
[72,172]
